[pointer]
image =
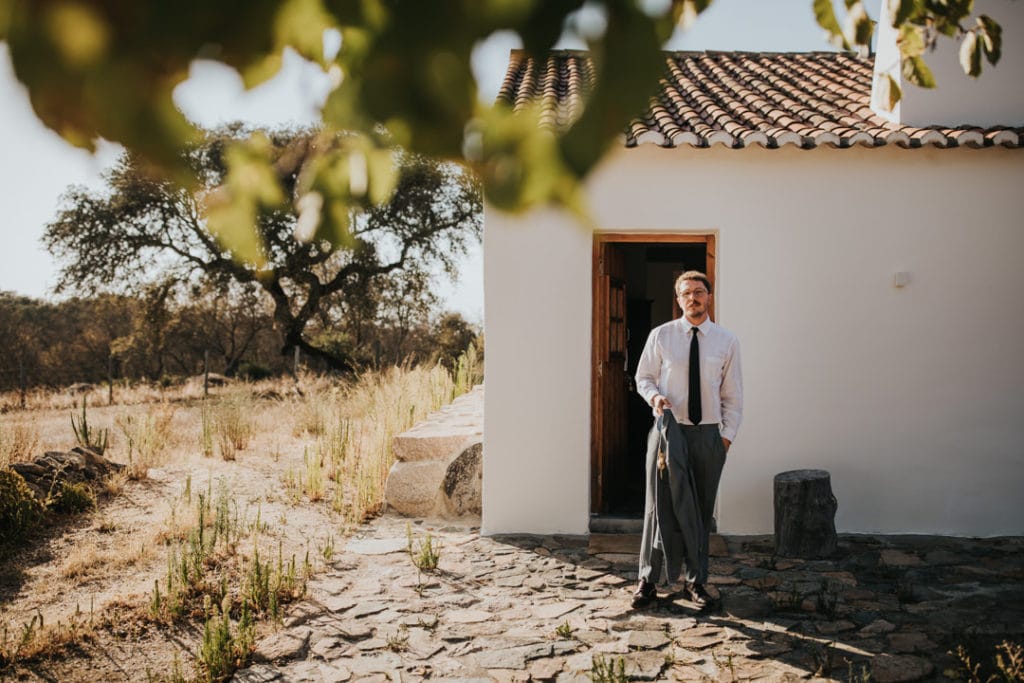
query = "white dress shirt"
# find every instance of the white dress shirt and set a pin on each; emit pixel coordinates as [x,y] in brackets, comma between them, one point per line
[664,368]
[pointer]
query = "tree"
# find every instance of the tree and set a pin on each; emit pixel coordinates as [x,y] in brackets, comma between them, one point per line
[106,68]
[142,229]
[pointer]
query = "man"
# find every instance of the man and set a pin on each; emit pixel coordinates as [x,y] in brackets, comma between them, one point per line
[689,373]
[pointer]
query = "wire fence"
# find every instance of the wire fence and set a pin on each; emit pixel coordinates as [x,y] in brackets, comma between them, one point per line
[21,380]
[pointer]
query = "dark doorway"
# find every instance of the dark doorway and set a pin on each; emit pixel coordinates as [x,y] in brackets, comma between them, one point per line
[633,278]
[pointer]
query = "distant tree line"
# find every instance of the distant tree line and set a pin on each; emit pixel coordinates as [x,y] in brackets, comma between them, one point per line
[154,292]
[167,335]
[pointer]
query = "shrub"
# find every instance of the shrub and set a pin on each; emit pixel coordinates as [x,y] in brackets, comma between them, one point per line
[253,371]
[71,498]
[19,509]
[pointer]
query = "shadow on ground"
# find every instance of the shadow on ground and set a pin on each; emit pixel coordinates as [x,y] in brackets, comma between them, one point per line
[551,607]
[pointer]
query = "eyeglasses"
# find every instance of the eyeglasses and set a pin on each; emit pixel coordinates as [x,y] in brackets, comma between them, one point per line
[693,294]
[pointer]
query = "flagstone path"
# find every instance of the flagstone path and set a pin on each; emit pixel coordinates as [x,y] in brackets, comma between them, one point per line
[519,608]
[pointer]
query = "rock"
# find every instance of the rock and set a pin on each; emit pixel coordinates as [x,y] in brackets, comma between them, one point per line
[377,546]
[467,616]
[647,640]
[556,609]
[877,627]
[366,609]
[413,488]
[909,642]
[79,465]
[898,558]
[260,673]
[644,666]
[886,668]
[746,603]
[463,482]
[546,669]
[282,645]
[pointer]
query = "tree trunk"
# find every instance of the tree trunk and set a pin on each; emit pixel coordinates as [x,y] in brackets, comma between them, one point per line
[805,511]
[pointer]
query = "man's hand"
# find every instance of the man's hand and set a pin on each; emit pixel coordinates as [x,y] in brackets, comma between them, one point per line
[659,403]
[727,443]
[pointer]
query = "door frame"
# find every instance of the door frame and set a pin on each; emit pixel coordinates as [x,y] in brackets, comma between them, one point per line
[599,334]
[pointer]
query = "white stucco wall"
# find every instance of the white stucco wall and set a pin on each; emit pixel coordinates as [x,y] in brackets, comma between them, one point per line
[913,397]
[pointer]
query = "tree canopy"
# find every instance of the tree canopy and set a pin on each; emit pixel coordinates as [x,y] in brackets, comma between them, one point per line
[145,235]
[402,77]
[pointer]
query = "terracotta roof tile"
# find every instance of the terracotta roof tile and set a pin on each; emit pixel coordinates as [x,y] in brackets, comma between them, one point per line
[740,99]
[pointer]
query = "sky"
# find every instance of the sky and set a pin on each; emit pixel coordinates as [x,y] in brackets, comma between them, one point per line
[38,166]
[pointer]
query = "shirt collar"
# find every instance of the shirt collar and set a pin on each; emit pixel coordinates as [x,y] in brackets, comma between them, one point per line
[704,327]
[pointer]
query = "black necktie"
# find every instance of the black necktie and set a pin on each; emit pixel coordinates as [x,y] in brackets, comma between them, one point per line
[694,398]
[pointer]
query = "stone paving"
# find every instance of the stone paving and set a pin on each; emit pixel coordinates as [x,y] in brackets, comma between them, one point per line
[518,608]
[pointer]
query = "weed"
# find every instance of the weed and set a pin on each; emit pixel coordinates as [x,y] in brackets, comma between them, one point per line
[862,676]
[20,512]
[564,631]
[1007,665]
[398,641]
[327,549]
[292,482]
[608,671]
[148,438]
[313,481]
[86,436]
[224,649]
[727,664]
[71,498]
[426,556]
[18,441]
[824,658]
[206,430]
[265,587]
[233,425]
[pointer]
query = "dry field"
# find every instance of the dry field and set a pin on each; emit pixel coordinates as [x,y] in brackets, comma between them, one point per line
[227,505]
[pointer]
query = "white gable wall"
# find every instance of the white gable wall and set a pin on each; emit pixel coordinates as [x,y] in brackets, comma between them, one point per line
[994,99]
[913,397]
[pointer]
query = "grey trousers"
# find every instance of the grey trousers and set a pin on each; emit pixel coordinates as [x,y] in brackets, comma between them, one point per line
[671,535]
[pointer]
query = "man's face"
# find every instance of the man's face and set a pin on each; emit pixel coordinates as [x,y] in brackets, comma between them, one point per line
[693,298]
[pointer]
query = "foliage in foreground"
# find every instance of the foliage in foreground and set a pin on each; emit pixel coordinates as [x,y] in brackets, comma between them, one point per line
[400,65]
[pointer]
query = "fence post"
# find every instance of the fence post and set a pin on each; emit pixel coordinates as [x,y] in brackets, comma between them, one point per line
[206,373]
[110,380]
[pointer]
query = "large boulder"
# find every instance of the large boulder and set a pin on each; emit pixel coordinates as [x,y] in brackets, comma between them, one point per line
[438,463]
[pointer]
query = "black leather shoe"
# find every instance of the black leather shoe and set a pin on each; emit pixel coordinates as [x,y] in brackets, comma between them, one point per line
[697,594]
[644,595]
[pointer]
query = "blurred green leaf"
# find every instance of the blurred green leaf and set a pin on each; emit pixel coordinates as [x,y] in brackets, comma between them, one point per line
[890,92]
[911,41]
[861,27]
[992,38]
[901,11]
[970,54]
[826,17]
[917,72]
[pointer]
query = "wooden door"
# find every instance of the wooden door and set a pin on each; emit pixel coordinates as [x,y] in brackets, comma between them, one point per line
[610,463]
[611,382]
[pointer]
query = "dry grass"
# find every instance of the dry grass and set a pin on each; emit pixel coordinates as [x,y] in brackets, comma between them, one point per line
[147,439]
[19,440]
[89,558]
[331,441]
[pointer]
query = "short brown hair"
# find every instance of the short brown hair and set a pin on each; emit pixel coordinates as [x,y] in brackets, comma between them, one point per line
[693,275]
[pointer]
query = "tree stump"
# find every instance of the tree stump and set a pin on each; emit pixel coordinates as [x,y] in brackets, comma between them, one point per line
[805,514]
